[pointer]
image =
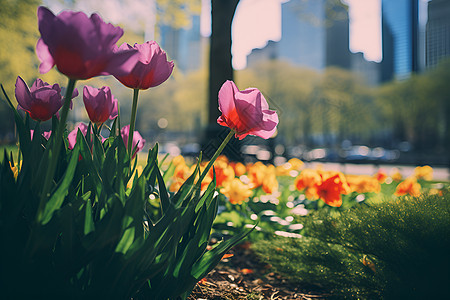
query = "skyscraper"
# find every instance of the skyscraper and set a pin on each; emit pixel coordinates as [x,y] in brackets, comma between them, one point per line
[438,32]
[184,45]
[315,34]
[400,19]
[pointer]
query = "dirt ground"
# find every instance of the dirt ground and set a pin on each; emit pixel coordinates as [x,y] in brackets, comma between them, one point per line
[241,275]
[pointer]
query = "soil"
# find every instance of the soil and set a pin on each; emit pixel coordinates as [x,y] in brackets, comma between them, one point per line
[241,275]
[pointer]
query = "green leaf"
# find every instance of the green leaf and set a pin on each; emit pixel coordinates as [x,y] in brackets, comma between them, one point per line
[57,198]
[89,225]
[210,259]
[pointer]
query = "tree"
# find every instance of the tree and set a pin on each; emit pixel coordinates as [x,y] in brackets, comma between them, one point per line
[220,70]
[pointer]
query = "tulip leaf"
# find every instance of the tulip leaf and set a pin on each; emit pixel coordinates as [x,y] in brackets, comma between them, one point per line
[163,194]
[207,262]
[57,198]
[89,225]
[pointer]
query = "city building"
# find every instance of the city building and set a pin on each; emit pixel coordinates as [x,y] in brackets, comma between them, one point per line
[369,70]
[185,46]
[315,34]
[401,26]
[437,32]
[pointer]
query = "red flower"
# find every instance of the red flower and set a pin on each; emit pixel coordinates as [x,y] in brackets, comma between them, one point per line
[246,112]
[331,189]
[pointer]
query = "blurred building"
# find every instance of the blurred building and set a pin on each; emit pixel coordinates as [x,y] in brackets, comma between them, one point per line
[437,32]
[269,52]
[314,34]
[369,70]
[401,38]
[185,46]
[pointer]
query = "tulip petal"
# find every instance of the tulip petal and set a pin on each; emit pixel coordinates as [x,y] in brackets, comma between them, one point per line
[226,97]
[46,59]
[250,115]
[121,63]
[23,94]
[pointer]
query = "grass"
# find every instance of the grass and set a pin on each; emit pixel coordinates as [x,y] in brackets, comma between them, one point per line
[394,250]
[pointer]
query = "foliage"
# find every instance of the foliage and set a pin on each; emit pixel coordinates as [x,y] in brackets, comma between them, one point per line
[91,237]
[391,250]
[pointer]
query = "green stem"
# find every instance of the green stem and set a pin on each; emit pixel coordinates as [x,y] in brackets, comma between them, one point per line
[132,121]
[218,152]
[56,146]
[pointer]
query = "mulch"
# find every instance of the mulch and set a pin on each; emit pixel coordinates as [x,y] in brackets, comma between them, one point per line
[241,275]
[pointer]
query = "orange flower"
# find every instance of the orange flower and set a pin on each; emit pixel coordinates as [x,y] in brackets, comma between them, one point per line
[308,180]
[380,176]
[224,172]
[256,173]
[396,175]
[236,191]
[239,168]
[270,182]
[363,184]
[408,186]
[181,173]
[296,163]
[424,173]
[178,160]
[331,189]
[284,169]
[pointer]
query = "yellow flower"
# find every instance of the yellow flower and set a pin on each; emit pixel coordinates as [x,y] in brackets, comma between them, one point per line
[296,163]
[239,168]
[138,171]
[309,180]
[270,182]
[363,184]
[284,169]
[236,191]
[15,169]
[178,160]
[396,175]
[425,173]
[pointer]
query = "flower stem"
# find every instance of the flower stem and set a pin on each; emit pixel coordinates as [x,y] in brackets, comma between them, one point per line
[56,146]
[132,121]
[218,152]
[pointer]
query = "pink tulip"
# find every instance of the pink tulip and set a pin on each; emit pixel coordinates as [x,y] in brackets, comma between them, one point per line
[138,141]
[152,68]
[100,104]
[246,112]
[79,46]
[72,137]
[42,101]
[45,134]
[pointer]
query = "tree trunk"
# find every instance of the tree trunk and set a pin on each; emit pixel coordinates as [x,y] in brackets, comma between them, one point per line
[220,68]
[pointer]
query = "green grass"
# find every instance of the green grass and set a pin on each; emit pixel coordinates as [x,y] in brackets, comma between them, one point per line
[405,244]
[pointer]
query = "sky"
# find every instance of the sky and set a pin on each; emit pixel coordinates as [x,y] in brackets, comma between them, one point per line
[258,21]
[255,22]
